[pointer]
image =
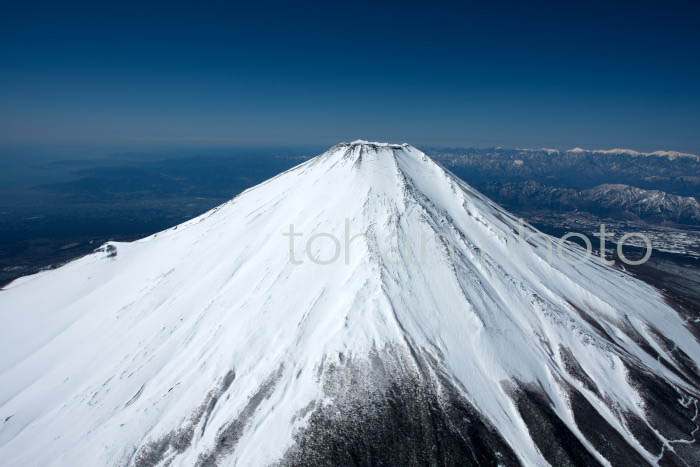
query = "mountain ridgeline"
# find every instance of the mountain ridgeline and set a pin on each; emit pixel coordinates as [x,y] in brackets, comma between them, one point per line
[406,320]
[609,200]
[578,169]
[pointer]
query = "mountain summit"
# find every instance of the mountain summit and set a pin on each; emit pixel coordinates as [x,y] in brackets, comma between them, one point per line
[363,308]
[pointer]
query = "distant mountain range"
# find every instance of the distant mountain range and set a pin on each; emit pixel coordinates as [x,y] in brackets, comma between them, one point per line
[616,200]
[671,172]
[628,152]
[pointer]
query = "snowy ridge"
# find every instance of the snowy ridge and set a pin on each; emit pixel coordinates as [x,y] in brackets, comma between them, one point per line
[617,199]
[205,345]
[631,152]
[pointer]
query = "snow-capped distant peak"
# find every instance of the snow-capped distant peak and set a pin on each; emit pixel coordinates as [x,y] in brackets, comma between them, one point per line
[547,150]
[631,152]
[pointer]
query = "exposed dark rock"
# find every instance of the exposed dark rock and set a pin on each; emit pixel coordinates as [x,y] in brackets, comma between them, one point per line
[573,367]
[642,432]
[228,436]
[686,364]
[179,440]
[384,417]
[606,439]
[664,410]
[559,446]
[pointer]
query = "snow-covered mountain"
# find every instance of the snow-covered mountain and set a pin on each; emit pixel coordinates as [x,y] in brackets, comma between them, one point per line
[618,200]
[438,331]
[572,169]
[618,151]
[631,152]
[645,203]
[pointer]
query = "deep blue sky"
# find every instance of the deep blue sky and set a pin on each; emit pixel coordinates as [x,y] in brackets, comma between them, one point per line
[534,74]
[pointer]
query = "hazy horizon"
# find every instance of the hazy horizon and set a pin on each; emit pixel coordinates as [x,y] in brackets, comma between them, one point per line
[595,75]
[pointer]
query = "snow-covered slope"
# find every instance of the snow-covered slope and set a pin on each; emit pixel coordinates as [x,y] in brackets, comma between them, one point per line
[436,337]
